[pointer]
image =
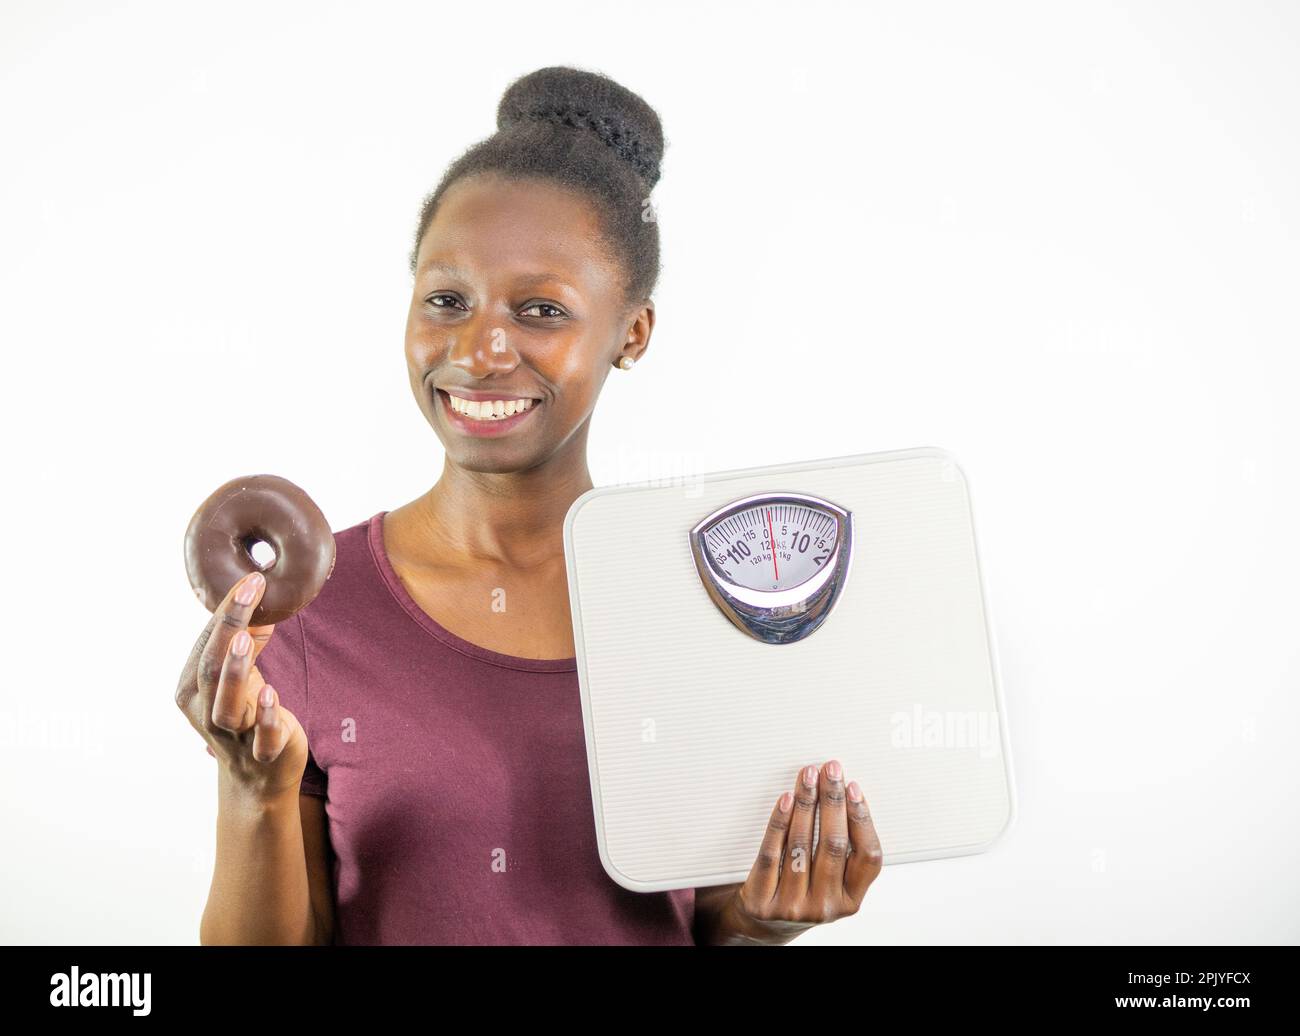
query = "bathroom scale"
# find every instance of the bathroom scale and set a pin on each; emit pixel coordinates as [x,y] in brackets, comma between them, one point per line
[733,627]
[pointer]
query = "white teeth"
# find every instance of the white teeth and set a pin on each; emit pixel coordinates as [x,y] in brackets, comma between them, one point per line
[488,409]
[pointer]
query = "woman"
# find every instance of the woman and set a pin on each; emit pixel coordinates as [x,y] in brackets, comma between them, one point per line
[444,798]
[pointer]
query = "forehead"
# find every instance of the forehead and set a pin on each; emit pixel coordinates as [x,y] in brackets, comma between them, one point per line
[487,224]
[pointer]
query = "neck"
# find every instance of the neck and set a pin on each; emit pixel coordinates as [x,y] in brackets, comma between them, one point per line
[513,517]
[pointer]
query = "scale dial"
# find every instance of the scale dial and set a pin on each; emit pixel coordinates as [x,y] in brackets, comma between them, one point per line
[774,563]
[741,545]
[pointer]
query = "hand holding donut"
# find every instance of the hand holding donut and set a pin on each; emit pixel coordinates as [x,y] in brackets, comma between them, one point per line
[258,741]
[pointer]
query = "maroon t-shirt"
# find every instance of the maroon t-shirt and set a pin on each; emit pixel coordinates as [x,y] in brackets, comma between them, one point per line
[454,777]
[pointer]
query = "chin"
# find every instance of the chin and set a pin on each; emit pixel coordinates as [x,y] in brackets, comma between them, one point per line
[486,466]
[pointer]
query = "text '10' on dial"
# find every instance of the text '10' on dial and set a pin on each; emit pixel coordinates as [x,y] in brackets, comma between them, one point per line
[742,545]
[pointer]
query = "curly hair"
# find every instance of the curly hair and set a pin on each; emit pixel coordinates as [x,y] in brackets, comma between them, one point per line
[584,131]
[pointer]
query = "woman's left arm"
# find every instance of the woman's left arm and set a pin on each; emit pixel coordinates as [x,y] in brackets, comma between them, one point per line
[790,889]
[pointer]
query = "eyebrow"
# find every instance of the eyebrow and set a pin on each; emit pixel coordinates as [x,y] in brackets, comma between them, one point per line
[535,278]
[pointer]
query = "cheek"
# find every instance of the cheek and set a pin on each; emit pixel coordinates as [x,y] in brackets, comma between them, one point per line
[576,368]
[419,360]
[422,346]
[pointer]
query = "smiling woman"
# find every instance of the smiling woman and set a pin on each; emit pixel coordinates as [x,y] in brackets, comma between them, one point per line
[444,797]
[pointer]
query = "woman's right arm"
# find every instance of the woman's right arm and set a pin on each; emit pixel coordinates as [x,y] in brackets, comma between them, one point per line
[260,893]
[270,885]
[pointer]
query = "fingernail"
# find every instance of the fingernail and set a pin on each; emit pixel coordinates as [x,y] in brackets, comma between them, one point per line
[810,776]
[833,770]
[248,591]
[242,642]
[785,802]
[855,793]
[266,699]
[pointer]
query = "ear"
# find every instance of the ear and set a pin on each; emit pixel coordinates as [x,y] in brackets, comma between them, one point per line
[641,325]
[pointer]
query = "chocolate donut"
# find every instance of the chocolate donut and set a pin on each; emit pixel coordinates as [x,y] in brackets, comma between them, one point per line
[234,518]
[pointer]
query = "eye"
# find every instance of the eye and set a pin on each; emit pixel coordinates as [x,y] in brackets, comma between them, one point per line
[557,311]
[441,295]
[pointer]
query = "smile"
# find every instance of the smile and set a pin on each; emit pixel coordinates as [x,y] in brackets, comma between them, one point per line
[485,417]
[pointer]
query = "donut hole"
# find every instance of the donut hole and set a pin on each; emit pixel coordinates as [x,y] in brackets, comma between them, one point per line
[262,553]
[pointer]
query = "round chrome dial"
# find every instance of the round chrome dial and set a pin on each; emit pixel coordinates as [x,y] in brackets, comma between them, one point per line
[775,563]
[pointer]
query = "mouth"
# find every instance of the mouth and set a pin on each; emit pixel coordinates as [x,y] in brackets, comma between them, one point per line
[485,416]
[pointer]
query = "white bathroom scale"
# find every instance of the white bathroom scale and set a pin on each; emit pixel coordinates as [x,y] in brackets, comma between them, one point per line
[735,626]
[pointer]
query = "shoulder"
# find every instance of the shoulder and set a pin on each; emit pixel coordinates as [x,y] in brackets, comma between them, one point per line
[354,578]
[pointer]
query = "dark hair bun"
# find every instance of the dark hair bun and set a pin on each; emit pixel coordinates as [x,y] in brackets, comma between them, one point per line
[588,100]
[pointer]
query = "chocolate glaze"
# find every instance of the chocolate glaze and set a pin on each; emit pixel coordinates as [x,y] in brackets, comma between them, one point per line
[241,512]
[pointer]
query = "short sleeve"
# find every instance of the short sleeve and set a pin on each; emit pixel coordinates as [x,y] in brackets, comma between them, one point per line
[283,664]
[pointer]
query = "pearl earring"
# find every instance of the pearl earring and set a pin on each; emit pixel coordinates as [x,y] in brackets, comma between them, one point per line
[626,363]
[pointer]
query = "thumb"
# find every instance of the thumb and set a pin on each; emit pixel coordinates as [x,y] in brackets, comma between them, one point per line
[261,637]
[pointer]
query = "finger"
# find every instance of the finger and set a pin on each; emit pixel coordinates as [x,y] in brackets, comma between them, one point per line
[234,706]
[832,850]
[272,730]
[261,637]
[231,616]
[187,687]
[866,858]
[765,874]
[798,842]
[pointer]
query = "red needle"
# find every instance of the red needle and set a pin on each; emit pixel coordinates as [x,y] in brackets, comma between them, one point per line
[772,538]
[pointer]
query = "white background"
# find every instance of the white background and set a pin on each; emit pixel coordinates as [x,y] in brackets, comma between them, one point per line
[1060,241]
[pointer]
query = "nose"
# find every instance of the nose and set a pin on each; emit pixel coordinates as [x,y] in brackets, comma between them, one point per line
[483,350]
